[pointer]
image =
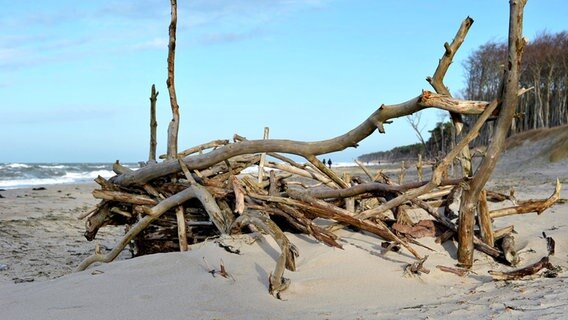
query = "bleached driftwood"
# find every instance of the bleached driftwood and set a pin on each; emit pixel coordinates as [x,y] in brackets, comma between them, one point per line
[287,259]
[529,206]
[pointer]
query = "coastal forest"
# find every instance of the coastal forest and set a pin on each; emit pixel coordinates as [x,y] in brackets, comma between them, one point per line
[544,68]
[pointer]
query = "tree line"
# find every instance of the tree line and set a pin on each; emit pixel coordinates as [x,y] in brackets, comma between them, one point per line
[544,68]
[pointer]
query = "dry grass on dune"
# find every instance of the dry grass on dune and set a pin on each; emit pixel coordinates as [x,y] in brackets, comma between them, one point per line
[559,150]
[557,137]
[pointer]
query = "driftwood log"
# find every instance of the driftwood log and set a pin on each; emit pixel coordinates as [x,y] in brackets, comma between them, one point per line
[203,192]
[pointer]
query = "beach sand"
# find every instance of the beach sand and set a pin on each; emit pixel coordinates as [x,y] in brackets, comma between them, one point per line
[41,240]
[40,235]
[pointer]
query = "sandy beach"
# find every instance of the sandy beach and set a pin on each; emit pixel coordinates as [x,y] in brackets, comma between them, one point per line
[41,242]
[40,235]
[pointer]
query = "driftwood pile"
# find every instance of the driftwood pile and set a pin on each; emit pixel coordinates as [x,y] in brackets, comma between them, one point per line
[205,191]
[179,209]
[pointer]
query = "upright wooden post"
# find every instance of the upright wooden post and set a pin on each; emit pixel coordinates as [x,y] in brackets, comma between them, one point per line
[262,158]
[153,124]
[419,168]
[485,220]
[349,202]
[402,173]
[173,128]
[182,231]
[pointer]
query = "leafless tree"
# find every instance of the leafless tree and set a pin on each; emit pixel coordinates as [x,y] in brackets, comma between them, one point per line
[414,121]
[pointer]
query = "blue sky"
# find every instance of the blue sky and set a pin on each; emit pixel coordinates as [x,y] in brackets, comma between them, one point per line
[75,76]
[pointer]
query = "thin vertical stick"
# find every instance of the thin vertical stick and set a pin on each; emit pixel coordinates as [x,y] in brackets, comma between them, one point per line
[262,158]
[182,233]
[402,173]
[419,168]
[485,220]
[349,202]
[367,172]
[173,128]
[327,171]
[153,124]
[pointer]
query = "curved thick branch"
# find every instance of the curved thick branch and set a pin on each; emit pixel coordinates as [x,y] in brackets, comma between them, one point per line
[537,206]
[301,148]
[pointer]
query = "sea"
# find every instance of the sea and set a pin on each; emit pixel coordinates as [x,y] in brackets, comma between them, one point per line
[29,175]
[26,175]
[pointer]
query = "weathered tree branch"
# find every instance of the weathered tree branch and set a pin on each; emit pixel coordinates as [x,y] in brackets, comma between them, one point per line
[276,280]
[373,187]
[151,215]
[537,206]
[485,225]
[124,197]
[153,125]
[216,215]
[470,195]
[199,148]
[543,263]
[437,83]
[341,215]
[173,128]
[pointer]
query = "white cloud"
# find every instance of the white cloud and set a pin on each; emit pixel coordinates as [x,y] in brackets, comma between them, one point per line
[54,33]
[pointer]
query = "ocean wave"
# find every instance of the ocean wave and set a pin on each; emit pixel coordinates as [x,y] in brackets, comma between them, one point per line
[88,174]
[58,166]
[16,166]
[22,183]
[17,175]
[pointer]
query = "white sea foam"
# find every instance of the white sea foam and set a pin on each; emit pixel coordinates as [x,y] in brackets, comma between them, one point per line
[17,165]
[344,164]
[59,166]
[77,176]
[254,169]
[35,178]
[22,183]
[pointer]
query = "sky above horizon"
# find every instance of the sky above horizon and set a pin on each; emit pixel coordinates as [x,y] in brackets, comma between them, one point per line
[75,76]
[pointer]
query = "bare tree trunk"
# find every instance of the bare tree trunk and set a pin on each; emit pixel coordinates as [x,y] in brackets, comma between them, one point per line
[262,157]
[173,128]
[471,195]
[414,121]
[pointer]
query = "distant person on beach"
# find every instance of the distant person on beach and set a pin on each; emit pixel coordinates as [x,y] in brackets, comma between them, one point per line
[323,161]
[329,162]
